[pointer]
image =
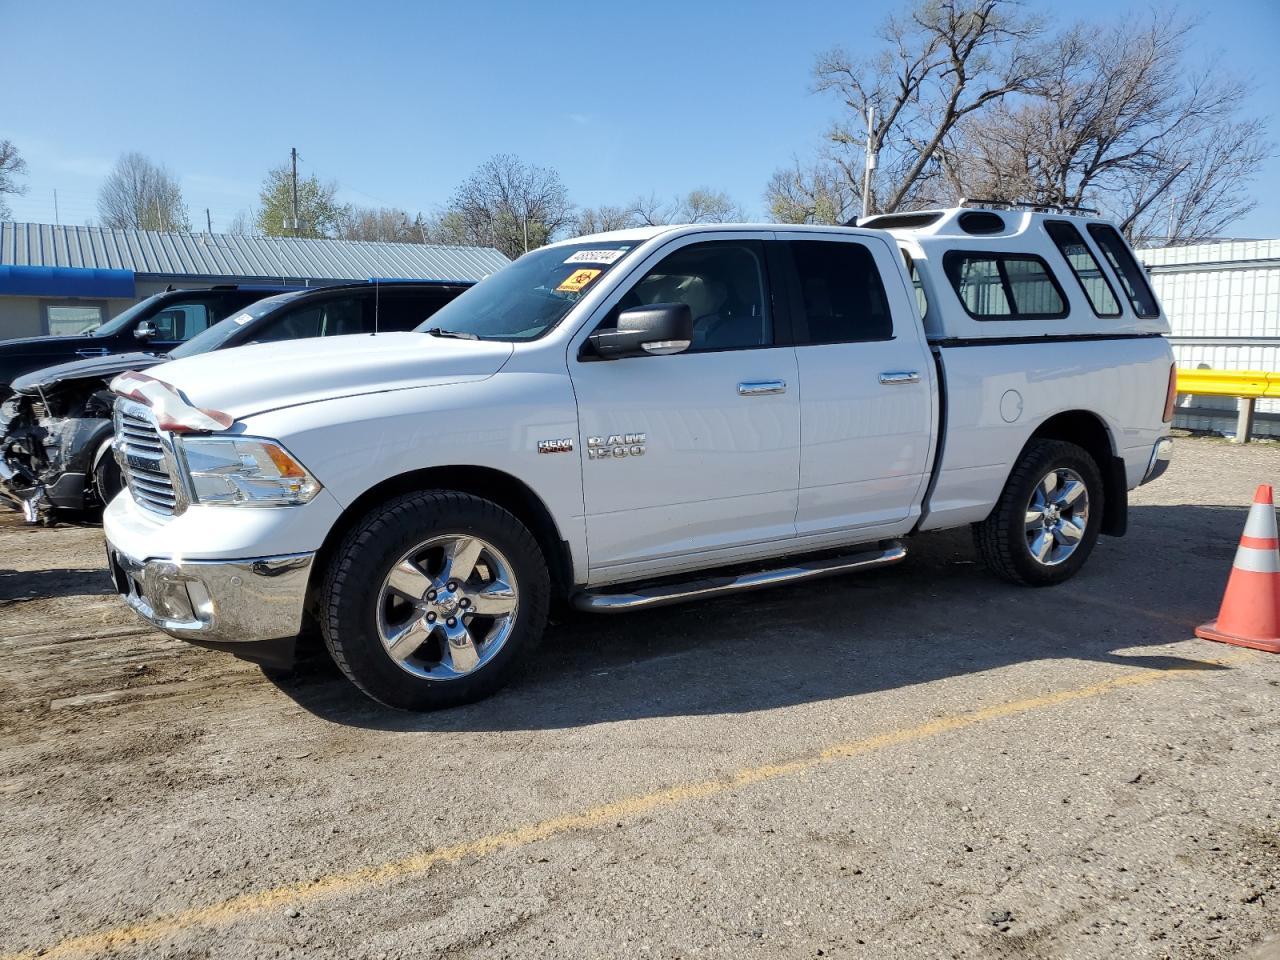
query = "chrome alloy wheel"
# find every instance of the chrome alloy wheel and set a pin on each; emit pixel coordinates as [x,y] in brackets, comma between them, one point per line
[447,607]
[1057,516]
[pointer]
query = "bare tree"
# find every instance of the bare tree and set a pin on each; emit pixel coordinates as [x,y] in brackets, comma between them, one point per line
[602,219]
[142,195]
[1119,121]
[700,205]
[448,228]
[389,224]
[512,205]
[821,193]
[241,223]
[705,205]
[651,212]
[942,62]
[11,166]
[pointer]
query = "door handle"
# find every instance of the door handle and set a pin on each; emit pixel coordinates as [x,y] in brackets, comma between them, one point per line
[760,388]
[900,376]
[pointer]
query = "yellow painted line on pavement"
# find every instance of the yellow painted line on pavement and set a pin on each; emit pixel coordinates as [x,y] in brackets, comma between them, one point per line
[1188,623]
[607,814]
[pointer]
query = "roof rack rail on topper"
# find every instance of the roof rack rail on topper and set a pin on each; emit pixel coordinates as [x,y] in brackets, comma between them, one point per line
[1031,205]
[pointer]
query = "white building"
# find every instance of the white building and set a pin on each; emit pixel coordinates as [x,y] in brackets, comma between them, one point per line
[1223,301]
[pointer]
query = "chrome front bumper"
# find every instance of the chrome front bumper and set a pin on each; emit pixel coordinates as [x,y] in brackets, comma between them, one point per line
[216,601]
[1161,454]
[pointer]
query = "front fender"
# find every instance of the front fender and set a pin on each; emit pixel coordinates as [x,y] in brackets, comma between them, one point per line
[353,444]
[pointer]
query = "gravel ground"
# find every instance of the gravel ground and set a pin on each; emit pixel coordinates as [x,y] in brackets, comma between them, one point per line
[917,763]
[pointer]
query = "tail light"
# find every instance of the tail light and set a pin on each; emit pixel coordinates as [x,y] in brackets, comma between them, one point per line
[1171,396]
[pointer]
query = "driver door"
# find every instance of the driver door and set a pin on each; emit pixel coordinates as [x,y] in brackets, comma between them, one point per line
[691,459]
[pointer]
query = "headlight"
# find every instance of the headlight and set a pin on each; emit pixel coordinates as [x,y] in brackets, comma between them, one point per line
[245,471]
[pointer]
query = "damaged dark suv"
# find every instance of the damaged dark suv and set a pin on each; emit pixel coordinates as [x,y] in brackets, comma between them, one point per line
[155,325]
[55,428]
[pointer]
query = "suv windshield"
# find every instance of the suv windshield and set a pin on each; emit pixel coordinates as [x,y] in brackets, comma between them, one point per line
[526,299]
[215,336]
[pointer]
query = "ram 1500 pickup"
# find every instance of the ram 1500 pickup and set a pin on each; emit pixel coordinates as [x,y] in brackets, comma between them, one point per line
[643,417]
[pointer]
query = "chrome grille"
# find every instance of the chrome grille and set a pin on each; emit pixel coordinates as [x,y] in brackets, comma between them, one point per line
[144,459]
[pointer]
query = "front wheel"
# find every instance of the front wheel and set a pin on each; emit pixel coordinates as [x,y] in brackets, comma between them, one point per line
[1046,522]
[435,599]
[107,479]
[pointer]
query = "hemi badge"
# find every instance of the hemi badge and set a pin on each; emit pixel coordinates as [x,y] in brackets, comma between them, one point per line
[564,445]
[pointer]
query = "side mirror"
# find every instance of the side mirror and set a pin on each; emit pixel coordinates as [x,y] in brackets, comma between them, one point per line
[656,330]
[145,330]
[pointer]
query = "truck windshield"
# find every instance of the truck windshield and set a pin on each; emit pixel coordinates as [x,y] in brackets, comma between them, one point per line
[122,320]
[526,299]
[215,336]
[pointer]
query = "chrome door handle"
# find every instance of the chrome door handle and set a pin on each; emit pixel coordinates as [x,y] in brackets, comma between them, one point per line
[760,388]
[900,376]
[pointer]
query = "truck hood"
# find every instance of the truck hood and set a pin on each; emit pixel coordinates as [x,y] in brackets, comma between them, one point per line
[91,368]
[253,379]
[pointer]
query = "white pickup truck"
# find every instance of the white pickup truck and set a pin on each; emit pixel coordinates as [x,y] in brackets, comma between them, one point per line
[643,417]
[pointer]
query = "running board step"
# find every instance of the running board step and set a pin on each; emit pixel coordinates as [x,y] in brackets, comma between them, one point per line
[660,595]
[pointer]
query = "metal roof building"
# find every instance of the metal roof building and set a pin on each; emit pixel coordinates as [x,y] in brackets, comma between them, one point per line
[49,271]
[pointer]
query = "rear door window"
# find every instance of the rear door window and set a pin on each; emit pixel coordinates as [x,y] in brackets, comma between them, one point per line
[331,317]
[1005,286]
[1085,267]
[1131,276]
[842,298]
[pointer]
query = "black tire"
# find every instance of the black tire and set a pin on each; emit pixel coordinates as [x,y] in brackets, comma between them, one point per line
[1002,539]
[349,601]
[107,479]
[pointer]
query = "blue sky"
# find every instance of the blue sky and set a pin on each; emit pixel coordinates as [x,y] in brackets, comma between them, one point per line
[399,102]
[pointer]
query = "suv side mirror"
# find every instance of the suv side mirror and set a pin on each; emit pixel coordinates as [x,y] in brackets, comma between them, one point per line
[145,330]
[658,329]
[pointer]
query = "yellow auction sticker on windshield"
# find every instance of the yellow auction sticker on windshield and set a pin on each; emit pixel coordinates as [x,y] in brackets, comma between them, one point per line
[577,281]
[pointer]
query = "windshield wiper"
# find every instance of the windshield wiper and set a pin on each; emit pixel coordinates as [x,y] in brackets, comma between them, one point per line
[452,334]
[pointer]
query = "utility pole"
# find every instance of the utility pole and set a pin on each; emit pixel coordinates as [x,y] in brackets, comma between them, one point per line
[208,221]
[293,154]
[55,208]
[870,153]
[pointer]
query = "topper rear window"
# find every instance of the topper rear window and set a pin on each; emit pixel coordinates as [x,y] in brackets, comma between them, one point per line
[1005,286]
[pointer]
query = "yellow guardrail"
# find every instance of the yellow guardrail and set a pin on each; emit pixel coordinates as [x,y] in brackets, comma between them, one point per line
[1249,386]
[1229,383]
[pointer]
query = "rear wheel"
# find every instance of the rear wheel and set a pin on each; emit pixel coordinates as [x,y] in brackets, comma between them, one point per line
[435,599]
[1047,520]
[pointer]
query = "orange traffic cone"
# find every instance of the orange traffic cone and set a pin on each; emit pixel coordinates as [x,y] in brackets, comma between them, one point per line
[1250,614]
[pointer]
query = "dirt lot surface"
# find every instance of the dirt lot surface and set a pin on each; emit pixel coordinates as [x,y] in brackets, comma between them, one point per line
[921,762]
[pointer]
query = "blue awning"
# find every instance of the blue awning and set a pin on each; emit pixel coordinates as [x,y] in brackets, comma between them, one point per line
[65,282]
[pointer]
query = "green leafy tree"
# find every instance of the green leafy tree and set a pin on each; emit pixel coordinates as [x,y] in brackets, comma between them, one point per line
[319,212]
